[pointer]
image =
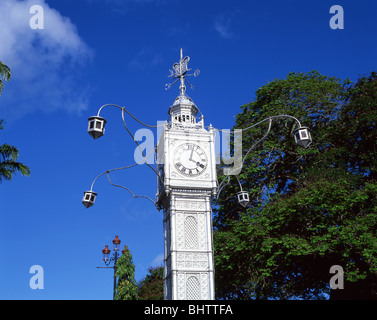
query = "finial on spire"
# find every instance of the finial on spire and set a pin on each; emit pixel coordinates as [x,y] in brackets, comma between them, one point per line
[179,72]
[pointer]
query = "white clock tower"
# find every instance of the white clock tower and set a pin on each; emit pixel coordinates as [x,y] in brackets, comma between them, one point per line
[187,168]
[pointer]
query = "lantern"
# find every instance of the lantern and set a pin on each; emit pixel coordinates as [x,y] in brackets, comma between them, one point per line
[106,253]
[96,126]
[116,243]
[243,198]
[303,137]
[89,198]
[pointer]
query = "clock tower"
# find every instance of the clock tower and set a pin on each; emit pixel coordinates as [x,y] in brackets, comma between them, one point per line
[187,181]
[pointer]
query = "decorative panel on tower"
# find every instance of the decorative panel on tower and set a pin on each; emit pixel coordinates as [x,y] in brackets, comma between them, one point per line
[191,232]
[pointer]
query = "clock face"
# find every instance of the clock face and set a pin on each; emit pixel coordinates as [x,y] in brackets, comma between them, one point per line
[190,160]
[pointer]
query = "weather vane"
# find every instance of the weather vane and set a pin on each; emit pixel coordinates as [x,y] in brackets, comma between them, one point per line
[179,72]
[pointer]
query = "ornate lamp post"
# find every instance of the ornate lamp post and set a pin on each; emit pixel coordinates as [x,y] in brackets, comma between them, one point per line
[108,260]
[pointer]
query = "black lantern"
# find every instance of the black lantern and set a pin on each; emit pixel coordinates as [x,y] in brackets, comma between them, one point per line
[243,198]
[303,137]
[89,198]
[96,126]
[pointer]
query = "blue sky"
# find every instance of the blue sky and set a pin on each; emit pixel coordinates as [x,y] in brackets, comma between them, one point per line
[93,52]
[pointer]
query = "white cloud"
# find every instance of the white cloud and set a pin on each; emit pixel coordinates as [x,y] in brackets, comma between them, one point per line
[45,63]
[158,260]
[222,24]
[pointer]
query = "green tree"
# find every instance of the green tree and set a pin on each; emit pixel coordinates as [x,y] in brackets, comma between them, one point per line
[8,161]
[310,208]
[8,153]
[126,288]
[5,74]
[152,286]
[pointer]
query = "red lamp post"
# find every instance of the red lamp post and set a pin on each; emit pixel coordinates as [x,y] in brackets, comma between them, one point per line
[107,259]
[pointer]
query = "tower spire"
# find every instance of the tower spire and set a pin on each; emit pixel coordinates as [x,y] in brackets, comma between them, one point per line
[183,111]
[179,72]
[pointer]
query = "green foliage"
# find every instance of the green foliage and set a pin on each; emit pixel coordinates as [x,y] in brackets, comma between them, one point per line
[8,162]
[275,166]
[8,153]
[152,286]
[126,288]
[310,208]
[5,74]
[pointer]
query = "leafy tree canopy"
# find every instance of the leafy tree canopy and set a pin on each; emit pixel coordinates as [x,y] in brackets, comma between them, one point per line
[309,208]
[152,286]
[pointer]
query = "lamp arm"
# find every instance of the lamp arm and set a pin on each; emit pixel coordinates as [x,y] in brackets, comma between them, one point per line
[129,113]
[107,105]
[288,116]
[142,153]
[256,143]
[91,187]
[144,124]
[221,186]
[273,117]
[239,183]
[135,196]
[268,130]
[121,168]
[123,109]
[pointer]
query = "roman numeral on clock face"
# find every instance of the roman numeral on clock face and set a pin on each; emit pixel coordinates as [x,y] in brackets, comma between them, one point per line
[190,160]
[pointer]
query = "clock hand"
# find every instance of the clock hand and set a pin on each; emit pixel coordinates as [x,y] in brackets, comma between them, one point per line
[192,152]
[199,164]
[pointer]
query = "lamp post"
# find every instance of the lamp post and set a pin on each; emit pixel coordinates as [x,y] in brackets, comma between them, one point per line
[108,260]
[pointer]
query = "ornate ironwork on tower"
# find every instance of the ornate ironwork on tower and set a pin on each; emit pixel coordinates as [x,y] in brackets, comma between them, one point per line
[187,169]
